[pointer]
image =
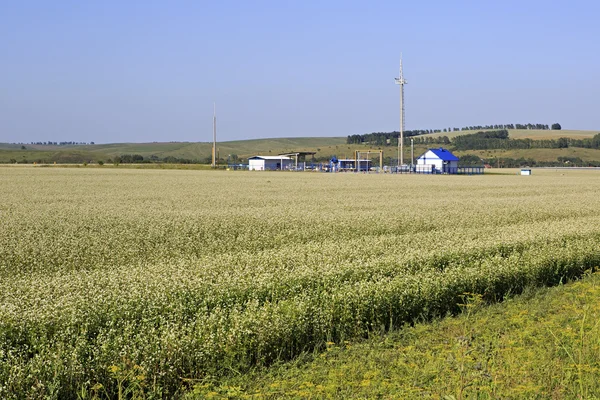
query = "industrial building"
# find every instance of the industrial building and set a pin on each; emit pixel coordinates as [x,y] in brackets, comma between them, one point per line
[437,161]
[269,163]
[433,161]
[352,164]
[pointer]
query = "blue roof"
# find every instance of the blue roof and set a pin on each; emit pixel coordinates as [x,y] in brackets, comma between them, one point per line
[444,154]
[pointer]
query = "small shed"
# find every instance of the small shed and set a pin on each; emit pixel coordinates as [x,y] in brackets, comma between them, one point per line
[349,164]
[441,161]
[269,163]
[525,172]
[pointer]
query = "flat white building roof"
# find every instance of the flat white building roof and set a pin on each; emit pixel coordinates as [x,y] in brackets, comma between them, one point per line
[270,158]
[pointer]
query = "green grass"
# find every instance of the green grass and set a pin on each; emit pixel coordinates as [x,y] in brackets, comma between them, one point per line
[542,344]
[50,156]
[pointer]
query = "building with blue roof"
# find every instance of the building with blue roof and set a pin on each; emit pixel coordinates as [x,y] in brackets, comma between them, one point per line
[437,161]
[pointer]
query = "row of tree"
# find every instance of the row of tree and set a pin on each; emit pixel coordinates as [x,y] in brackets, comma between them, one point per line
[555,126]
[58,143]
[385,138]
[499,140]
[483,140]
[530,162]
[139,159]
[391,138]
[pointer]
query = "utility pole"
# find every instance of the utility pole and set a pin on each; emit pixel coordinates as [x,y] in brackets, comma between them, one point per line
[412,152]
[401,81]
[214,148]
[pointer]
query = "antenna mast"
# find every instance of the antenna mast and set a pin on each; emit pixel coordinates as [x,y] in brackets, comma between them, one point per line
[214,148]
[401,81]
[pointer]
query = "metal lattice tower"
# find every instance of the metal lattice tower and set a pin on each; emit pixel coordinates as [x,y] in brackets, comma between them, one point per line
[401,81]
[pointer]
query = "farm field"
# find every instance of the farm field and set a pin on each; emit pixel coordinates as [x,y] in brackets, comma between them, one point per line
[542,344]
[121,282]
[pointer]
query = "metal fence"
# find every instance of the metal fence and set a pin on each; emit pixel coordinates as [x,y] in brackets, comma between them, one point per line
[468,170]
[403,169]
[423,170]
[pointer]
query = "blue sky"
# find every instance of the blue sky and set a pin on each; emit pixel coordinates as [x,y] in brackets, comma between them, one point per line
[139,71]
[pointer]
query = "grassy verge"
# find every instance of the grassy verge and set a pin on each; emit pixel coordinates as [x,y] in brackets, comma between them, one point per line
[542,344]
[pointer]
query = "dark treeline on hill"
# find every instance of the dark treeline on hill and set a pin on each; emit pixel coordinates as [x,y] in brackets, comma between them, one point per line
[492,140]
[391,138]
[59,143]
[541,127]
[69,158]
[480,140]
[502,162]
[385,138]
[483,140]
[138,159]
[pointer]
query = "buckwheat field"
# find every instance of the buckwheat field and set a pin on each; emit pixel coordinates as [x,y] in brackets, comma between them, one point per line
[116,282]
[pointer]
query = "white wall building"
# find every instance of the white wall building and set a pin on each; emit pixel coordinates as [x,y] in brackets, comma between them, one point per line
[269,163]
[440,161]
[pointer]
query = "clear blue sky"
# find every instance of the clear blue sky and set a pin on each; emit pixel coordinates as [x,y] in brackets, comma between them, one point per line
[138,71]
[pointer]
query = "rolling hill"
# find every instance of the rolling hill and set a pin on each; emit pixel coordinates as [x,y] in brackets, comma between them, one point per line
[323,146]
[185,150]
[543,155]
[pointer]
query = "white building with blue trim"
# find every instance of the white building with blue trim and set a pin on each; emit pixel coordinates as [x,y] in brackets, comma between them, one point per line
[437,161]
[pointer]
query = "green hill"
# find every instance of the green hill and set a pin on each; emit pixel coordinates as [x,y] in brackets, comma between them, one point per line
[323,146]
[540,155]
[49,156]
[528,134]
[186,150]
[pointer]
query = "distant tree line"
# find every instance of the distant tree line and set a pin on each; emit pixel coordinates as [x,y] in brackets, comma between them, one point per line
[488,140]
[492,140]
[391,138]
[386,138]
[429,140]
[58,143]
[62,158]
[510,126]
[139,159]
[530,162]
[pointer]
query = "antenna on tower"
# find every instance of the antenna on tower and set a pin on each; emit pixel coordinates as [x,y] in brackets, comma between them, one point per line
[214,148]
[401,81]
